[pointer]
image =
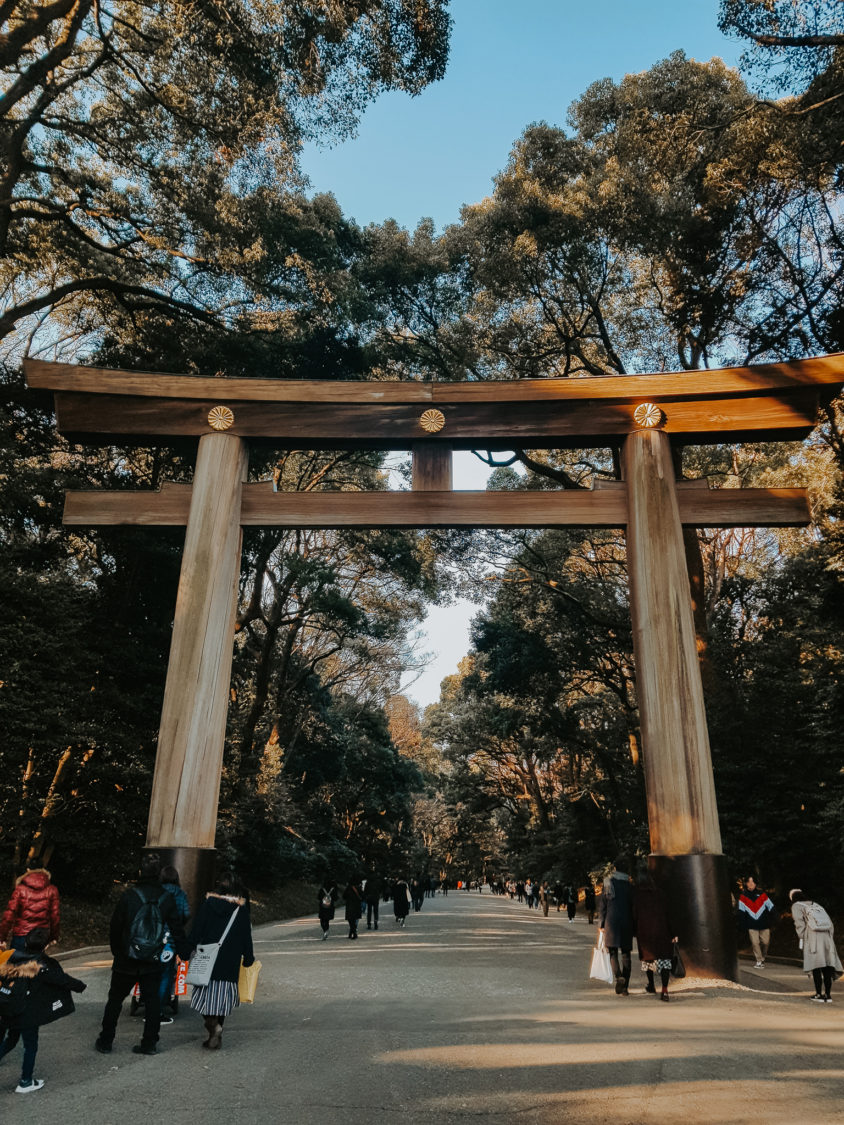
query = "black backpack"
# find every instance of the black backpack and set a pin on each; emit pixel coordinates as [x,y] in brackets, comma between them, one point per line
[147,931]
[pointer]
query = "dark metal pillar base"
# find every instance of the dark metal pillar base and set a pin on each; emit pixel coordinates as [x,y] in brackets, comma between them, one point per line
[195,867]
[698,891]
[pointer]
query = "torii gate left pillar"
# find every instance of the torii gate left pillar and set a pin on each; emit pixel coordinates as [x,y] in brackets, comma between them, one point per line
[186,784]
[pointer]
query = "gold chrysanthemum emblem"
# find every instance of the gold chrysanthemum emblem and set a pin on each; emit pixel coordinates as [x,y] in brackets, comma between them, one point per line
[647,415]
[432,421]
[220,418]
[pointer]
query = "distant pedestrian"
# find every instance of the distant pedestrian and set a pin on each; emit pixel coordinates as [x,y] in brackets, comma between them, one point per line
[817,940]
[654,932]
[756,916]
[372,896]
[34,905]
[132,961]
[326,898]
[545,897]
[529,893]
[401,901]
[571,901]
[558,895]
[354,906]
[617,922]
[48,998]
[589,902]
[224,911]
[416,893]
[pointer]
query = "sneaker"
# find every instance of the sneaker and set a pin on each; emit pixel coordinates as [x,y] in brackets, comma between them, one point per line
[165,1020]
[28,1087]
[140,1049]
[759,964]
[819,999]
[827,999]
[103,1047]
[325,935]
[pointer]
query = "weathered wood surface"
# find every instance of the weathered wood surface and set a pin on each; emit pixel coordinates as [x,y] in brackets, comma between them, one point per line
[432,467]
[762,378]
[607,507]
[97,418]
[186,784]
[682,811]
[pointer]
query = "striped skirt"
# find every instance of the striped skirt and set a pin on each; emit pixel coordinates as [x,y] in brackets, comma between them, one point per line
[217,998]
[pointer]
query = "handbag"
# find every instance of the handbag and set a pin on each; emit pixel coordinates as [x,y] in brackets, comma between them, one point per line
[247,982]
[601,967]
[204,957]
[678,969]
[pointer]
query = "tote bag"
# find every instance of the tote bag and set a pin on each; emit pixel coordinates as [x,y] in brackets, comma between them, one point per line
[601,968]
[247,982]
[204,957]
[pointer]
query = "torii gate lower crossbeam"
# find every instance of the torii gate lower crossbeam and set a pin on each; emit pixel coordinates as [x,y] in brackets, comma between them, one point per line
[773,402]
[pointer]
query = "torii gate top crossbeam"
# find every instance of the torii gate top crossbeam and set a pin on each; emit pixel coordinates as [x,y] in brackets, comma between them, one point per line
[775,401]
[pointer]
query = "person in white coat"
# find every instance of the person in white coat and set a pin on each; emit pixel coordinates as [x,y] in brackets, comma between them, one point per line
[817,940]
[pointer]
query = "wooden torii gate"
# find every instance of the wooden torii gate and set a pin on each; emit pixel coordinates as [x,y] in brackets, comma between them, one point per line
[644,416]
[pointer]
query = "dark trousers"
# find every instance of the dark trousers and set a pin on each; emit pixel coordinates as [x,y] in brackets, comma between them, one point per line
[29,1035]
[823,980]
[624,969]
[372,913]
[571,908]
[120,987]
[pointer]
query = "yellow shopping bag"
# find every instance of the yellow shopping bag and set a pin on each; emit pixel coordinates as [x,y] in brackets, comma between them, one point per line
[247,984]
[6,954]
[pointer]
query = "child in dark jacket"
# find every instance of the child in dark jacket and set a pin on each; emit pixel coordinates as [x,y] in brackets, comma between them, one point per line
[47,999]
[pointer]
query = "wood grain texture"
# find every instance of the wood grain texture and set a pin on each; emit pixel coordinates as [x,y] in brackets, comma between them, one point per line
[186,784]
[432,467]
[682,811]
[763,378]
[607,507]
[99,418]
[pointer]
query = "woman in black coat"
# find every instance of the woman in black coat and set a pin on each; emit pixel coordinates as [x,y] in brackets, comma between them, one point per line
[326,898]
[654,932]
[354,906]
[617,922]
[215,1000]
[48,999]
[401,901]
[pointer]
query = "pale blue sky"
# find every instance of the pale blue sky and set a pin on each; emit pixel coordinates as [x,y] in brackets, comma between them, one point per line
[511,64]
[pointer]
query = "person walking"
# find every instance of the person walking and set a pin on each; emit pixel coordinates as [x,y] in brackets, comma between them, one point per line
[589,902]
[559,891]
[224,911]
[401,901]
[545,896]
[48,999]
[756,916]
[571,901]
[34,905]
[169,878]
[326,898]
[146,907]
[354,906]
[372,895]
[817,940]
[654,932]
[617,922]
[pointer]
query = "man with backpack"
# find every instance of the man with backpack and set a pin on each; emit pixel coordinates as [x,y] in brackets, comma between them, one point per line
[145,917]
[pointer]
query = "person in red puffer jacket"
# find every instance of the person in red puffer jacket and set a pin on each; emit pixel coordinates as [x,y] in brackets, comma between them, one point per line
[34,905]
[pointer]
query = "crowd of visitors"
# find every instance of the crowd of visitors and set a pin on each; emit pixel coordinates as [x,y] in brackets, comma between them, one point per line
[149,938]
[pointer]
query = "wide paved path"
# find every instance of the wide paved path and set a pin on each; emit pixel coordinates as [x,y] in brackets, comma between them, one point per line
[478,1011]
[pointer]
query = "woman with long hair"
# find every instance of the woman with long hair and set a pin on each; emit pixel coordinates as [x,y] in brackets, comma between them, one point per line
[224,911]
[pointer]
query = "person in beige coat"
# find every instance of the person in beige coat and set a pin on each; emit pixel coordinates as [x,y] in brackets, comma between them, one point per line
[817,940]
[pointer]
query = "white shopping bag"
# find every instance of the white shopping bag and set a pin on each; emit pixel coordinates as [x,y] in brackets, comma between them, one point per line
[601,969]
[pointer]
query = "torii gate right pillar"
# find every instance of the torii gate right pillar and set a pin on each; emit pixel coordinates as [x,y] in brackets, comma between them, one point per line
[685,836]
